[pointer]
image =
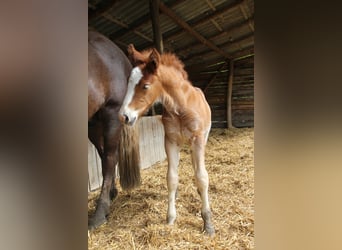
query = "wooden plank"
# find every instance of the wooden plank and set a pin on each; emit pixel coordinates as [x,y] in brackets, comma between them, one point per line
[152,150]
[213,79]
[151,141]
[94,168]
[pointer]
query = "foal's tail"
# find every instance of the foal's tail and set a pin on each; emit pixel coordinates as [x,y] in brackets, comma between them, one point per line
[129,157]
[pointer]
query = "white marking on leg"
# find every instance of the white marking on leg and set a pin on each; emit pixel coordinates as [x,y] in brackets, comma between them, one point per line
[207,133]
[172,151]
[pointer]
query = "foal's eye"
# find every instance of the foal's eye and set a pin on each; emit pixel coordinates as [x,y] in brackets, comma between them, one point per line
[146,86]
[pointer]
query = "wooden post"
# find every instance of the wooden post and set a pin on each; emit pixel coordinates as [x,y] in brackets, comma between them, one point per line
[229,94]
[157,34]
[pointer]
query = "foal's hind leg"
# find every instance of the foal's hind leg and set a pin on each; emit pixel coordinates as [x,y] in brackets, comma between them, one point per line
[202,181]
[172,152]
[111,133]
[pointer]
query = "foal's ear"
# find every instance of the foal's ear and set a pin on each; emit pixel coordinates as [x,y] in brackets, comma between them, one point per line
[153,61]
[130,50]
[134,56]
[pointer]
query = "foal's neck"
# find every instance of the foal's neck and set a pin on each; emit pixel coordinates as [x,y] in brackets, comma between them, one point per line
[176,90]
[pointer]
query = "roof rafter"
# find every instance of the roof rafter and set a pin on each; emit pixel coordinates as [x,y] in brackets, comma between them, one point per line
[232,29]
[187,27]
[207,18]
[212,80]
[228,43]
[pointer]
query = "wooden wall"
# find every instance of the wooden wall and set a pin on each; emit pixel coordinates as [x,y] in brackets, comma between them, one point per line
[151,144]
[242,95]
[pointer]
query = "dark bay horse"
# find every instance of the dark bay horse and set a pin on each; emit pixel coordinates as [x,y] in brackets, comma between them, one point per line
[186,118]
[108,72]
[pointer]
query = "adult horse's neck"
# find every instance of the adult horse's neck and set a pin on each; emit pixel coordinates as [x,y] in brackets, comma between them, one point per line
[176,90]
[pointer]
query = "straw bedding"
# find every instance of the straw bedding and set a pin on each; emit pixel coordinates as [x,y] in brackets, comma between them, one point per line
[138,218]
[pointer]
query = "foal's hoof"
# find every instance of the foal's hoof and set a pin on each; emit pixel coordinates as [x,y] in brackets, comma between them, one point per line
[170,220]
[95,222]
[209,230]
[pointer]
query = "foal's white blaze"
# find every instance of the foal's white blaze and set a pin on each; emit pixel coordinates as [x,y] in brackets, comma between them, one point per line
[133,80]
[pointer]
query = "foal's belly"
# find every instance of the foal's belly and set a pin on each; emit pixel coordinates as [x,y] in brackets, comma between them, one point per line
[180,136]
[180,131]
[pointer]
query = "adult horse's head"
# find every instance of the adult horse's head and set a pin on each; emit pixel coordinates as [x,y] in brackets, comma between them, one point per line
[143,85]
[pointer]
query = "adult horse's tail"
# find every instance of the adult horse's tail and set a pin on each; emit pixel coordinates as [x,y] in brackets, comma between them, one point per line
[129,157]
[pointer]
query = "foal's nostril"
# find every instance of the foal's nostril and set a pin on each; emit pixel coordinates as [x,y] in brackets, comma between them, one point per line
[126,118]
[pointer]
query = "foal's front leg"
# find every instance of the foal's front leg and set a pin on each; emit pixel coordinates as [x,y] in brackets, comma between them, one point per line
[172,152]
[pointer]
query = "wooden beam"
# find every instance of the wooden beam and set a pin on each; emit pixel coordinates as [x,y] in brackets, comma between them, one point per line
[246,17]
[157,34]
[103,7]
[233,28]
[212,80]
[236,55]
[202,64]
[193,23]
[241,54]
[237,40]
[228,43]
[186,26]
[229,94]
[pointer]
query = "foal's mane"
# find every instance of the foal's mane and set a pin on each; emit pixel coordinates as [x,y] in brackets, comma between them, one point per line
[172,60]
[169,59]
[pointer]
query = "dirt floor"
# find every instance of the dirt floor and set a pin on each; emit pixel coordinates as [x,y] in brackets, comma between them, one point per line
[138,218]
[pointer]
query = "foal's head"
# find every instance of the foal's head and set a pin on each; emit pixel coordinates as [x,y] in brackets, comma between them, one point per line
[143,85]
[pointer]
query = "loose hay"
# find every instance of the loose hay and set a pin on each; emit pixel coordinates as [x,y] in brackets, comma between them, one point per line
[138,218]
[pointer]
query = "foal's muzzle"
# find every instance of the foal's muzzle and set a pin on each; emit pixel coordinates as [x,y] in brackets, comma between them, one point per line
[127,119]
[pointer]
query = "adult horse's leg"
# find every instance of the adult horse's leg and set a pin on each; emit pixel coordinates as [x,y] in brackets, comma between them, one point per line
[172,152]
[111,129]
[95,135]
[202,181]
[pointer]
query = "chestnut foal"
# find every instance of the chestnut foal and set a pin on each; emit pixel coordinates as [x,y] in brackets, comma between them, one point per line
[186,117]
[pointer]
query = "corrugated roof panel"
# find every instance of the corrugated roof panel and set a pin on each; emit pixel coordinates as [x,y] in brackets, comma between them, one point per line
[129,10]
[207,29]
[124,13]
[186,9]
[133,38]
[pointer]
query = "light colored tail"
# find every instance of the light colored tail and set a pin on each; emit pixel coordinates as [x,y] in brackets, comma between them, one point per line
[129,157]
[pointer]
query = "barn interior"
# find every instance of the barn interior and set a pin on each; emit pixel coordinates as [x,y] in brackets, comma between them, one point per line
[213,38]
[215,41]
